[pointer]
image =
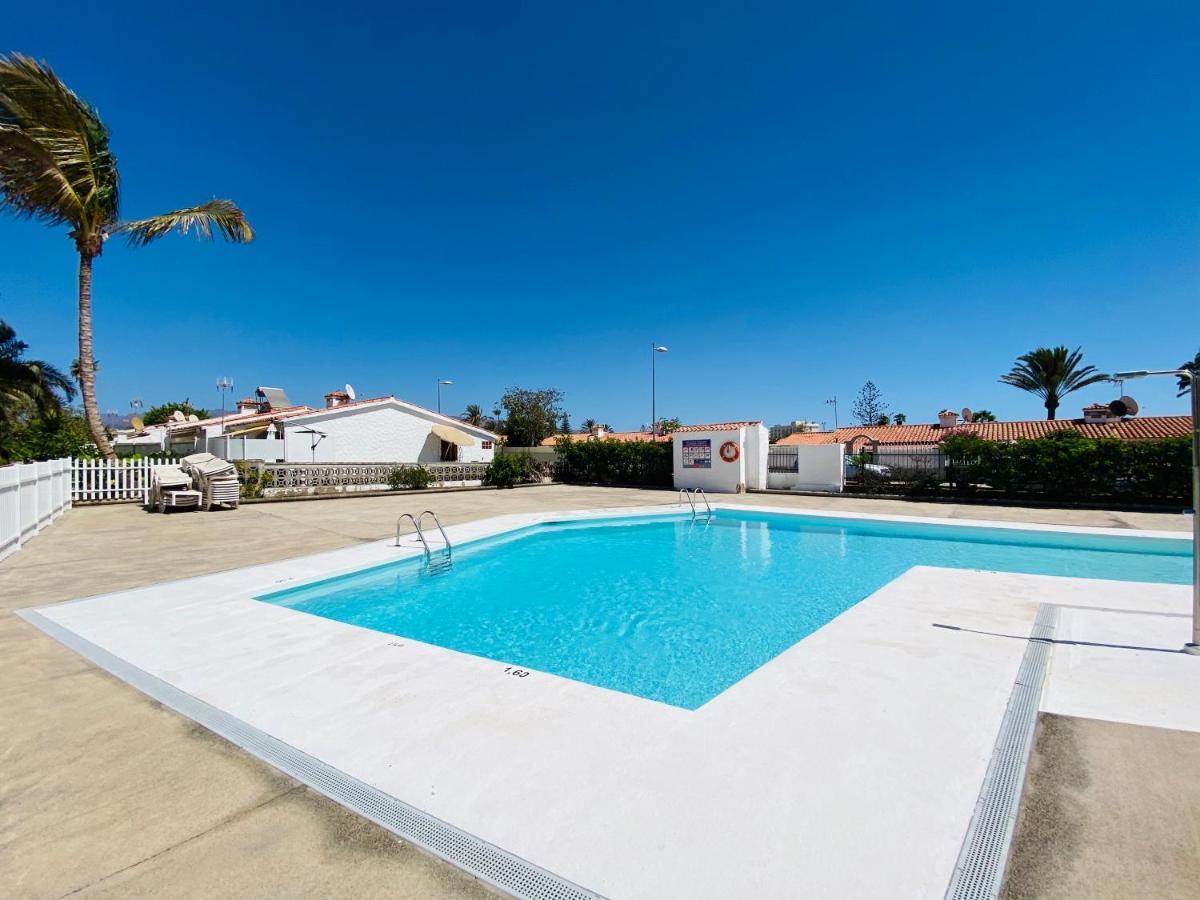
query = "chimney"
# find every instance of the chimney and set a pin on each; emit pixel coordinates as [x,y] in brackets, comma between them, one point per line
[1098,413]
[947,418]
[335,398]
[247,405]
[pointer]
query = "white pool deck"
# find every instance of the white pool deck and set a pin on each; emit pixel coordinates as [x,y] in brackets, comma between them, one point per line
[849,765]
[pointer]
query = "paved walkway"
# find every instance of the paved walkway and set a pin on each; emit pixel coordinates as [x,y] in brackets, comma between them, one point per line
[103,793]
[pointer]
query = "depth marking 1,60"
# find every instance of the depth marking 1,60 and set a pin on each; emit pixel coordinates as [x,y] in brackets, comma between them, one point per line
[513,670]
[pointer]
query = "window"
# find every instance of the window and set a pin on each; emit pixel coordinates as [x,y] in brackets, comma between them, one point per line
[487,445]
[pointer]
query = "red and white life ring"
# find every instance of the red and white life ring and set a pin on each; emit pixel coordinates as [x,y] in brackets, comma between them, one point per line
[730,452]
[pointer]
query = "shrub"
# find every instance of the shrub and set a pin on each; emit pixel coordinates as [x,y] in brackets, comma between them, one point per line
[615,462]
[507,469]
[409,477]
[253,478]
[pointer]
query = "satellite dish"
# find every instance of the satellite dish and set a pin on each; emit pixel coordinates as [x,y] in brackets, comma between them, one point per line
[967,415]
[1126,406]
[137,423]
[178,416]
[193,418]
[350,392]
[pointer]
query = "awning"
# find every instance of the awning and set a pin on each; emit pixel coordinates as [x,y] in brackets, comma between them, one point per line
[261,429]
[452,435]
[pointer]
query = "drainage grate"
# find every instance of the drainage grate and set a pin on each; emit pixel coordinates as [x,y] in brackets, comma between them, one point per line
[483,860]
[979,872]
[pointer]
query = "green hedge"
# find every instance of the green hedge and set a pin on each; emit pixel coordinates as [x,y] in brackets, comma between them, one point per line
[1068,466]
[614,462]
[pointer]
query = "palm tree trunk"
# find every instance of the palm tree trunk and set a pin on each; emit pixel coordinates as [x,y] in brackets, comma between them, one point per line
[1051,410]
[87,365]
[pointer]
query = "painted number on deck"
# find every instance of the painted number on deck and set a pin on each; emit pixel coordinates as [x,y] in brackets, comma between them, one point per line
[520,673]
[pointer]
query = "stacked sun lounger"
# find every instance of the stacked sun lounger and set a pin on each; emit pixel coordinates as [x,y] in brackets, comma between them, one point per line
[171,488]
[215,478]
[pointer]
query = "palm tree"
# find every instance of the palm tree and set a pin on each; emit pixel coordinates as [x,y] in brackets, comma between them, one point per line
[56,167]
[1185,383]
[473,414]
[28,384]
[1052,373]
[984,415]
[589,424]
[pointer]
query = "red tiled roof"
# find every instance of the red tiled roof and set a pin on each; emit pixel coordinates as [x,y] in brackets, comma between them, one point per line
[353,403]
[241,418]
[1144,429]
[719,426]
[624,436]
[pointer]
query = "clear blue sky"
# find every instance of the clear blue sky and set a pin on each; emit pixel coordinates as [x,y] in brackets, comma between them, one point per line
[794,200]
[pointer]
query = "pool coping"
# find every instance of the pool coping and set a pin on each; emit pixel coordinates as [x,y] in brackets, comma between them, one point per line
[143,605]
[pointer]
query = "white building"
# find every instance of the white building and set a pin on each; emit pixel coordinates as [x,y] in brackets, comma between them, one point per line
[383,429]
[270,428]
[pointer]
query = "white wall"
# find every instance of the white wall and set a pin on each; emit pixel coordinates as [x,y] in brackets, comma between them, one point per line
[820,467]
[32,495]
[376,433]
[747,472]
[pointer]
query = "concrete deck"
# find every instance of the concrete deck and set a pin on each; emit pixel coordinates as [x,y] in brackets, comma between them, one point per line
[103,793]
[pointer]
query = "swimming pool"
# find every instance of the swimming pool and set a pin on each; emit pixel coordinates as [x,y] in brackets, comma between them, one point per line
[678,609]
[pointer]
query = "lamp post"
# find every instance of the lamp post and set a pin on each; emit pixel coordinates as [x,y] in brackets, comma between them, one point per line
[442,381]
[655,349]
[136,405]
[1193,646]
[832,401]
[224,384]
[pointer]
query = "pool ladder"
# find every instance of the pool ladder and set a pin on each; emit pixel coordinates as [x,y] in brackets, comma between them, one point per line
[691,497]
[432,567]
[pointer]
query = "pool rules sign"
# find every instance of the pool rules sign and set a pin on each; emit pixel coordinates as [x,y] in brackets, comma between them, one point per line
[697,454]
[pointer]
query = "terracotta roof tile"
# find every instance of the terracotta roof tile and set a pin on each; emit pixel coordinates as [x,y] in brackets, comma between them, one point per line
[719,426]
[1138,429]
[624,436]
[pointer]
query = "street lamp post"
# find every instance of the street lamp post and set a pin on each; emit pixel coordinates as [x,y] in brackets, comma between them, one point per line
[1193,646]
[655,349]
[224,384]
[832,401]
[442,381]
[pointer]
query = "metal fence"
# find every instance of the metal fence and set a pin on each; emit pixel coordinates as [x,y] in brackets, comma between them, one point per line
[32,496]
[783,459]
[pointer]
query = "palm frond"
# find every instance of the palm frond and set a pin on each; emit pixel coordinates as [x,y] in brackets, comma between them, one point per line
[55,161]
[221,216]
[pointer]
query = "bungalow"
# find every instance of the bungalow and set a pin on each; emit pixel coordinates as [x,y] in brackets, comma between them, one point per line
[270,428]
[1097,421]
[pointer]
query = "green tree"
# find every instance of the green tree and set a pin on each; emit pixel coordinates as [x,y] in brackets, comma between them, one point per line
[29,384]
[28,388]
[48,437]
[56,167]
[589,424]
[473,414]
[1051,373]
[531,416]
[899,419]
[157,415]
[564,424]
[869,407]
[983,415]
[666,426]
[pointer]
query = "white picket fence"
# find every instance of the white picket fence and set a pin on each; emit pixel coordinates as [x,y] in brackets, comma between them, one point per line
[32,495]
[114,480]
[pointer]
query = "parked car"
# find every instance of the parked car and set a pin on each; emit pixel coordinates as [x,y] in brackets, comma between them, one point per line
[853,470]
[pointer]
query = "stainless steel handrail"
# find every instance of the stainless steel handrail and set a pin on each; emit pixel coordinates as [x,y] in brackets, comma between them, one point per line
[445,540]
[417,526]
[699,492]
[683,492]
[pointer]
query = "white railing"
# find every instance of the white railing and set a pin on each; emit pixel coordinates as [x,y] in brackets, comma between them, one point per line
[32,495]
[114,480]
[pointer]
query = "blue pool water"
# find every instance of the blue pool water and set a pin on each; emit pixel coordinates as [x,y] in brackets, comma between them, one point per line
[677,610]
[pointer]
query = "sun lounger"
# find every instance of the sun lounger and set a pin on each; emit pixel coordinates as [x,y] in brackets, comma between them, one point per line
[171,488]
[214,478]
